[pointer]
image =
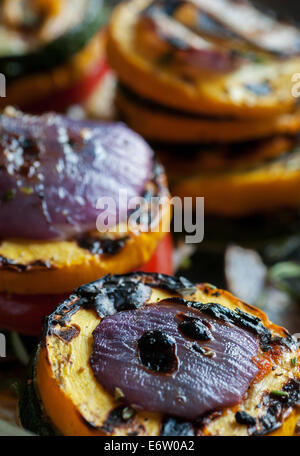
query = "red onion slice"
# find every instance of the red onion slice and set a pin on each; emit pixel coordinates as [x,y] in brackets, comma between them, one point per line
[190,48]
[163,365]
[54,169]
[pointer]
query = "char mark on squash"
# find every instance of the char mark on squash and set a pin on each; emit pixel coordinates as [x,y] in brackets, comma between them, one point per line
[278,402]
[172,426]
[12,265]
[117,417]
[112,294]
[239,318]
[98,246]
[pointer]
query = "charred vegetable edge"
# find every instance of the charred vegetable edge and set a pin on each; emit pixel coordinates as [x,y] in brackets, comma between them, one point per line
[31,410]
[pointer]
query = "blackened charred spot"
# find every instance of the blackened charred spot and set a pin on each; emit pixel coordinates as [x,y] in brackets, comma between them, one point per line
[67,333]
[270,421]
[115,419]
[194,328]
[176,427]
[277,405]
[216,294]
[241,319]
[157,352]
[30,147]
[88,290]
[293,390]
[198,349]
[105,296]
[179,285]
[12,265]
[207,418]
[128,297]
[108,297]
[39,264]
[60,318]
[89,424]
[245,321]
[245,419]
[133,434]
[98,246]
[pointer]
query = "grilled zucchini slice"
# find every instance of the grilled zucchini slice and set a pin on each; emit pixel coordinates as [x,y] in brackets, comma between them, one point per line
[45,53]
[19,91]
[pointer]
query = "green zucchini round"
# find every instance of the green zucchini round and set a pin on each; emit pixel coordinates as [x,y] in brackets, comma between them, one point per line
[59,50]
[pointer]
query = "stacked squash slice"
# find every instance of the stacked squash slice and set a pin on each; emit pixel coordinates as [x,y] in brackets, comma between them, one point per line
[218,74]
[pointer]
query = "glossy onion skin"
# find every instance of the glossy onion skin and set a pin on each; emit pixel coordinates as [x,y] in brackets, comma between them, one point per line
[200,383]
[54,169]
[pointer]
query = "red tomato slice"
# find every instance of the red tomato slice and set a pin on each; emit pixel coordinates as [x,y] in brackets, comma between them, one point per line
[24,313]
[162,260]
[76,94]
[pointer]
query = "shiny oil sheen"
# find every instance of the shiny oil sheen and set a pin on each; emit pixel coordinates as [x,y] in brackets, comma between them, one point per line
[54,169]
[212,372]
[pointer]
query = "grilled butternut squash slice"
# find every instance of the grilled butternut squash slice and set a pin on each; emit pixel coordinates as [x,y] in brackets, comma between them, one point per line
[28,267]
[157,123]
[260,86]
[241,180]
[64,394]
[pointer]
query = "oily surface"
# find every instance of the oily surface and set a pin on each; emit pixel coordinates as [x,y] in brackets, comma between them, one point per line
[209,369]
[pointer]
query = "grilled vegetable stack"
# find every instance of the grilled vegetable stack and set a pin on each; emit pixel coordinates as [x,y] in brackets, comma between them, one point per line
[51,51]
[56,232]
[149,354]
[213,85]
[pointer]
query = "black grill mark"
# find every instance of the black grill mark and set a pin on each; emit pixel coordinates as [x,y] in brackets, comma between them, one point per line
[11,265]
[98,246]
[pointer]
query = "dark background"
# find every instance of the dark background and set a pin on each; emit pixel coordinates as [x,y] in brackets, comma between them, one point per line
[287,9]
